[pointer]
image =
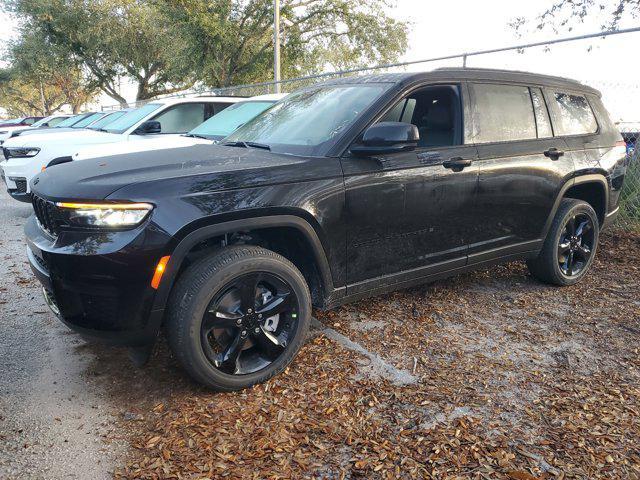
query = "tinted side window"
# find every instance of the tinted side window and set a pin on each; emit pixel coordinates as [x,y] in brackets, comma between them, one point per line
[542,115]
[502,113]
[401,112]
[575,116]
[435,111]
[218,107]
[181,118]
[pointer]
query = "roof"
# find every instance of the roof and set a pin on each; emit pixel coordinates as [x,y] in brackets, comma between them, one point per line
[448,74]
[270,96]
[206,98]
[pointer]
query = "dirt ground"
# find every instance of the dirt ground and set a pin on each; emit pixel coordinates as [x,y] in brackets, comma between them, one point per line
[488,375]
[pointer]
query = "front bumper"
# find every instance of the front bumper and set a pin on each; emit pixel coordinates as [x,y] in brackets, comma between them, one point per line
[99,281]
[18,172]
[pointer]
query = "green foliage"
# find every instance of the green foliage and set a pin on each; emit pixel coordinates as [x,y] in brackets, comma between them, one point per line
[42,78]
[111,39]
[166,45]
[562,15]
[231,41]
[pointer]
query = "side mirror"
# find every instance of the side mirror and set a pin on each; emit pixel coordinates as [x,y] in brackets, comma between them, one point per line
[387,137]
[148,127]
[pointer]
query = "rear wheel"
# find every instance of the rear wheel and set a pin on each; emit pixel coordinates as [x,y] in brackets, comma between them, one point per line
[238,317]
[570,246]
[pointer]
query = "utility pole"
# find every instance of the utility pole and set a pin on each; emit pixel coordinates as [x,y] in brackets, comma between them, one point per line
[276,44]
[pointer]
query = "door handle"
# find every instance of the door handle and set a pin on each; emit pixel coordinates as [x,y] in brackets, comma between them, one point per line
[553,153]
[457,164]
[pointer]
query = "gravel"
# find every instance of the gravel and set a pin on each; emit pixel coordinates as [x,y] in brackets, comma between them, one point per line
[53,420]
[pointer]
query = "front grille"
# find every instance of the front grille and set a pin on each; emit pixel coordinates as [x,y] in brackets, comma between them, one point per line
[21,184]
[47,214]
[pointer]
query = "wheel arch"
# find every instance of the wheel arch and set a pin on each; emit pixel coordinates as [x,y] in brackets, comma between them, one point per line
[269,223]
[576,188]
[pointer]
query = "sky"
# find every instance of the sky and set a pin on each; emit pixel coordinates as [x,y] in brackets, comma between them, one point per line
[444,28]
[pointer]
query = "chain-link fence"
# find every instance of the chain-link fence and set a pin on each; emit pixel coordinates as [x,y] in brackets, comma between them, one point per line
[630,200]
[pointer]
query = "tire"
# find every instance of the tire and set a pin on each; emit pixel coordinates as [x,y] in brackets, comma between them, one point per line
[551,266]
[224,275]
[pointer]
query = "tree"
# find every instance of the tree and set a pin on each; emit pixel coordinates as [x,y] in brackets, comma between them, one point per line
[111,39]
[563,14]
[231,41]
[42,79]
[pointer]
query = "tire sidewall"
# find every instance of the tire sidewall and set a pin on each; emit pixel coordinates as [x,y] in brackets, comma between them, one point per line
[574,210]
[200,300]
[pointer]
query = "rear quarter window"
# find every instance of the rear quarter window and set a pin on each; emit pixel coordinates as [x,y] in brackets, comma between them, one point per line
[573,114]
[502,113]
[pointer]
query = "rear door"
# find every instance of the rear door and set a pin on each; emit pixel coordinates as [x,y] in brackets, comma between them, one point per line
[522,167]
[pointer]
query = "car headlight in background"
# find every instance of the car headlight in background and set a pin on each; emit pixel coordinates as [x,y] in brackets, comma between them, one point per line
[104,214]
[21,152]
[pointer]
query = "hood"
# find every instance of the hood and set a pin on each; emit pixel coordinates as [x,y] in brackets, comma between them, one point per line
[162,142]
[43,130]
[12,129]
[219,167]
[76,137]
[5,132]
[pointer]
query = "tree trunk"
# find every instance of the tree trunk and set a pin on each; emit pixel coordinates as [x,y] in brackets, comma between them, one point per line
[116,96]
[42,100]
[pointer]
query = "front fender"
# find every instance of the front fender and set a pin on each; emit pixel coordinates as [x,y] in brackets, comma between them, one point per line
[202,233]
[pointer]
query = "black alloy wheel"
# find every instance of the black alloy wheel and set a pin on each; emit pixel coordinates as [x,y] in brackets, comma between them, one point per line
[238,316]
[576,244]
[570,245]
[247,326]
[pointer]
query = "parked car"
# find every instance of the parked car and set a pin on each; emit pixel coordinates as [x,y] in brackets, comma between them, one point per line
[52,120]
[20,122]
[48,122]
[27,155]
[209,132]
[66,125]
[340,191]
[631,140]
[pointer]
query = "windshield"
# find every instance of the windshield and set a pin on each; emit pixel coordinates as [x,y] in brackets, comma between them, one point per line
[54,122]
[42,121]
[225,122]
[304,122]
[88,120]
[128,120]
[12,121]
[107,119]
[71,120]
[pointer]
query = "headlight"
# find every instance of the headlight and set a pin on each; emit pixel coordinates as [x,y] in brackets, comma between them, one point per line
[21,152]
[104,214]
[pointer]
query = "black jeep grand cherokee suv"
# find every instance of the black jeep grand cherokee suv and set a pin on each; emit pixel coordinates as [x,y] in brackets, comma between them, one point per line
[342,190]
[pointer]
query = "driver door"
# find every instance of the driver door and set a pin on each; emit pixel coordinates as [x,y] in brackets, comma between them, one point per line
[409,214]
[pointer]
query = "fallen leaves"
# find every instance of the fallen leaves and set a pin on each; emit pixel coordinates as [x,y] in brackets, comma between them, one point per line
[516,380]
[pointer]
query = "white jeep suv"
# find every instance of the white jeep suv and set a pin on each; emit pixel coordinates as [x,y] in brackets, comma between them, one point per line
[211,131]
[25,157]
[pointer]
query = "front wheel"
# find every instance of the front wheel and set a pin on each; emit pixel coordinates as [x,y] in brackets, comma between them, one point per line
[238,317]
[570,247]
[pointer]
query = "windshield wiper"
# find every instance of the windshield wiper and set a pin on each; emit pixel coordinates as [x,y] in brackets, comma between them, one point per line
[195,135]
[263,146]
